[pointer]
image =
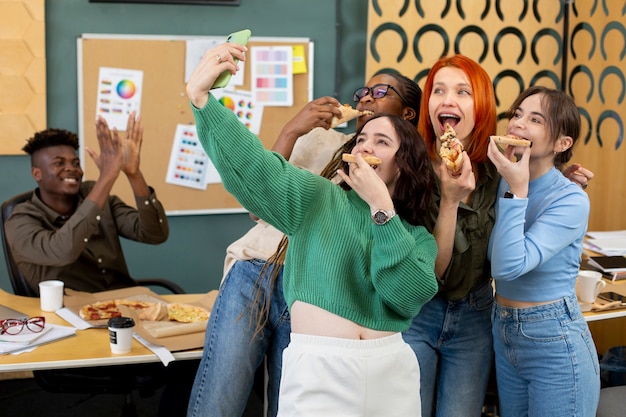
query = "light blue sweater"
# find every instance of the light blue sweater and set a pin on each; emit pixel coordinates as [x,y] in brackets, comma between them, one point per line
[536,244]
[376,276]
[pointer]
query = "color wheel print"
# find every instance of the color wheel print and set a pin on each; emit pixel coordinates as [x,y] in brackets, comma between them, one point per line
[126,89]
[228,102]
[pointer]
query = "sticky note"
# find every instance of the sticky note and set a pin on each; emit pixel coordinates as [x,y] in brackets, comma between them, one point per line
[299,63]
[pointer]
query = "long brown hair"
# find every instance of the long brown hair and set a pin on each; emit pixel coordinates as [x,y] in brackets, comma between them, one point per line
[412,198]
[260,305]
[562,117]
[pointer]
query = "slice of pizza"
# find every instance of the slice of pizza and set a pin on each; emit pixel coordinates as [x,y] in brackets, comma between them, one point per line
[100,310]
[145,310]
[104,310]
[186,313]
[370,159]
[510,140]
[451,150]
[348,113]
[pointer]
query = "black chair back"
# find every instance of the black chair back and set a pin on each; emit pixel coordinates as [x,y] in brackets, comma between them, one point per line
[18,281]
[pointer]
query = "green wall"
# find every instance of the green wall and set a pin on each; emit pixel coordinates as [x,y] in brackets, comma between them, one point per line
[194,253]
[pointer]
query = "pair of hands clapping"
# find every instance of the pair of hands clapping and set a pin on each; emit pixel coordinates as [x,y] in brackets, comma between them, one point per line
[118,154]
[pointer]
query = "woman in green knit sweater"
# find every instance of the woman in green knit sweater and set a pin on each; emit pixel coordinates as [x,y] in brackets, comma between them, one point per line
[356,273]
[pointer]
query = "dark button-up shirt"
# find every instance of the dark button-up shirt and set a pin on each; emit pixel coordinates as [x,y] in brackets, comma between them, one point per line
[469,268]
[83,249]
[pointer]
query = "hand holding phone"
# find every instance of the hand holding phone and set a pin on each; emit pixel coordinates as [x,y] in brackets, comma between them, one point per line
[241,37]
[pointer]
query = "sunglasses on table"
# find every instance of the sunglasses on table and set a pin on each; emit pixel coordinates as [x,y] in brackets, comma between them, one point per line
[376,91]
[15,326]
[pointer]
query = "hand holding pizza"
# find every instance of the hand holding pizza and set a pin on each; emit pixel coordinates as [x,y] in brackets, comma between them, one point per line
[366,183]
[316,113]
[456,187]
[516,174]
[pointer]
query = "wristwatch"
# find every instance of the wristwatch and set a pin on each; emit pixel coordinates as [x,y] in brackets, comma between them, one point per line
[381,217]
[508,194]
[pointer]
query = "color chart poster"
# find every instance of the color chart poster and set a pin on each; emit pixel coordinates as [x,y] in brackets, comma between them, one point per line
[189,165]
[272,75]
[119,94]
[243,105]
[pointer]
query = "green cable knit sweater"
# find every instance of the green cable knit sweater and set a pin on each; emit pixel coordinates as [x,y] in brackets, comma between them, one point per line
[338,259]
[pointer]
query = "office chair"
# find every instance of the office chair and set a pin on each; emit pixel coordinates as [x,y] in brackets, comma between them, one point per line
[145,378]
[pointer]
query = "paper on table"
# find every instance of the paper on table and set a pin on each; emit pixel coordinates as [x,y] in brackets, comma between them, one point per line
[608,243]
[611,234]
[162,352]
[56,332]
[25,337]
[71,317]
[166,329]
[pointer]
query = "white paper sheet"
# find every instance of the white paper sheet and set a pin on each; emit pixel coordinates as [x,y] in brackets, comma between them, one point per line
[55,333]
[119,94]
[189,165]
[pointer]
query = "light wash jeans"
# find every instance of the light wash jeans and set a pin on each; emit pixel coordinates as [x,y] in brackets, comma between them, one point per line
[453,344]
[546,361]
[232,355]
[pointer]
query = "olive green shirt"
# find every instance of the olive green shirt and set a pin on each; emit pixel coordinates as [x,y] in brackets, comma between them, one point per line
[469,268]
[84,249]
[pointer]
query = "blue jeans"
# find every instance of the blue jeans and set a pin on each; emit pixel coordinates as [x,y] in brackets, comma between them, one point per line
[453,344]
[232,353]
[546,361]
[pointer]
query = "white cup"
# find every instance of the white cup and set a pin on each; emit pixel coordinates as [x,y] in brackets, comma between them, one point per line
[121,334]
[590,284]
[51,295]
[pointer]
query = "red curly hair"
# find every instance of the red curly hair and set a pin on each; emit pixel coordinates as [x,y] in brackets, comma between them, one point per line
[484,107]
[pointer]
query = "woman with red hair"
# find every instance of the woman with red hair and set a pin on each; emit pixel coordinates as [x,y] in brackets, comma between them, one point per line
[451,335]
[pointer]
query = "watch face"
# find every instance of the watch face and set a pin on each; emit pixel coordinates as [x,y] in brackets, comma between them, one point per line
[380,217]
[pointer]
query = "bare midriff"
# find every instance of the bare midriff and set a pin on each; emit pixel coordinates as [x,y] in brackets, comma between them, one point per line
[312,320]
[520,304]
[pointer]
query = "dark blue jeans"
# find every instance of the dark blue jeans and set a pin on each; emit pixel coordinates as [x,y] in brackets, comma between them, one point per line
[232,353]
[453,344]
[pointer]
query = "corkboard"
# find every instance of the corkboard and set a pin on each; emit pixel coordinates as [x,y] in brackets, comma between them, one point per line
[164,105]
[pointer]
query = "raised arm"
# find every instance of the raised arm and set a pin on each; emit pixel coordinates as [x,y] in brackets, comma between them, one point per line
[213,63]
[131,147]
[316,113]
[108,161]
[454,189]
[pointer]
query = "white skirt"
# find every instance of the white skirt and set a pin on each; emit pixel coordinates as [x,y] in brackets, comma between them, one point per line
[328,377]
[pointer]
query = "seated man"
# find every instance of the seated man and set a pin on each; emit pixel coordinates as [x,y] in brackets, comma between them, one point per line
[70,229]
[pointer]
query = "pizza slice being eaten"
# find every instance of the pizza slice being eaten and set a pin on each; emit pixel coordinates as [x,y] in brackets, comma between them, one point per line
[451,150]
[348,113]
[370,159]
[510,140]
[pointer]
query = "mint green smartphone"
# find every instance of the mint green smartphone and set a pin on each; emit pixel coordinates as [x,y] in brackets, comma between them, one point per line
[240,38]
